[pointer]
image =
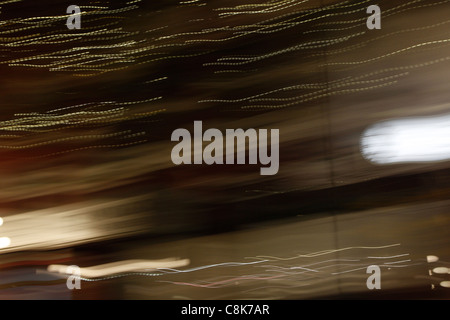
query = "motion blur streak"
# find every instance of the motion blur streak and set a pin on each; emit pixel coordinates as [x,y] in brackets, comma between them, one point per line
[54,227]
[279,274]
[320,253]
[120,267]
[408,140]
[225,264]
[432,258]
[4,242]
[86,177]
[441,270]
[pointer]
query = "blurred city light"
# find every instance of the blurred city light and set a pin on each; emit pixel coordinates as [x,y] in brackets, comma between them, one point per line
[408,140]
[4,242]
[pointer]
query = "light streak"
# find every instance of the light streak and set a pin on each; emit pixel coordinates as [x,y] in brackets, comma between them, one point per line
[120,267]
[424,139]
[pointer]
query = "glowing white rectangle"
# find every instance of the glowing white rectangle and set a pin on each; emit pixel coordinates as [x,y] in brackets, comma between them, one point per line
[418,140]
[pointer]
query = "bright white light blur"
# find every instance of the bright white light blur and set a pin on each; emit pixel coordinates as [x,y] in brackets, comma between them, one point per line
[432,259]
[121,266]
[1,221]
[441,270]
[445,284]
[4,242]
[408,140]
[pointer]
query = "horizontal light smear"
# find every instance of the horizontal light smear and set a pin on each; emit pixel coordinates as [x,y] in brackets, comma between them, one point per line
[120,267]
[4,242]
[441,270]
[414,140]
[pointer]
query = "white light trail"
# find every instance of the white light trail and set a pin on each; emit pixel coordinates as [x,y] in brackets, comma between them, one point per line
[414,140]
[4,242]
[121,267]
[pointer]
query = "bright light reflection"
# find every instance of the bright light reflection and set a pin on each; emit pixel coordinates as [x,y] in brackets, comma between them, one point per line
[432,258]
[4,242]
[441,270]
[121,267]
[408,140]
